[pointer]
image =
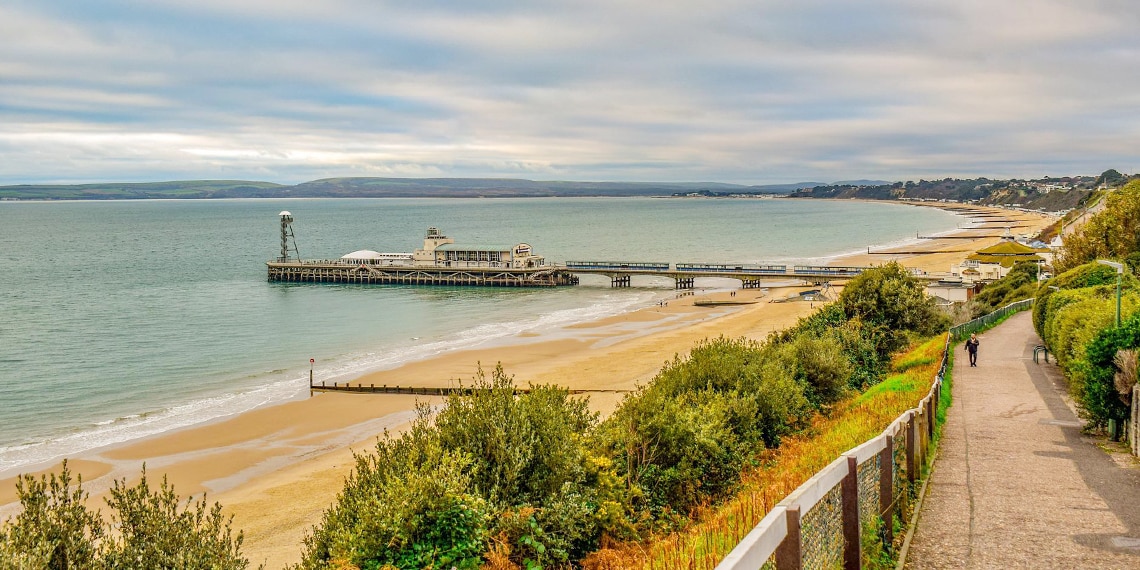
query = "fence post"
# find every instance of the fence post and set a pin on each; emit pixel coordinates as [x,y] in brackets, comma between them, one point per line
[887,491]
[911,444]
[930,407]
[788,555]
[852,545]
[1134,433]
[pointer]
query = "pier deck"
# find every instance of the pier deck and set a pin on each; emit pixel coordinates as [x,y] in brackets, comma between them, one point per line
[336,271]
[751,276]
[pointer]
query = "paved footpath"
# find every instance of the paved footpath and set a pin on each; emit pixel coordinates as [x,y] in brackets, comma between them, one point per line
[1015,485]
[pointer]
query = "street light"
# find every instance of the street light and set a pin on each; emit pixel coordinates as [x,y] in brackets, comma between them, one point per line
[1119,273]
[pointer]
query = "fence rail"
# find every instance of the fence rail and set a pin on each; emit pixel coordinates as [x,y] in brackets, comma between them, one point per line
[965,329]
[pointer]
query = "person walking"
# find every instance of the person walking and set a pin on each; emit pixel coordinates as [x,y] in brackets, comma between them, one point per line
[972,348]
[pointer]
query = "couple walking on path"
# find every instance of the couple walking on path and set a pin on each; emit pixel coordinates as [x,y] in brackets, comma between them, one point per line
[1016,484]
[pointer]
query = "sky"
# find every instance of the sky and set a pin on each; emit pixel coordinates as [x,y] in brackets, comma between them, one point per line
[749,92]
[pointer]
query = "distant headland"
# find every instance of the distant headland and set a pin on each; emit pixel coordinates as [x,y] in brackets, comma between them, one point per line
[1046,194]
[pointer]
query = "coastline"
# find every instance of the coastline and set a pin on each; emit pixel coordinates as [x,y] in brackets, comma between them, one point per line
[276,468]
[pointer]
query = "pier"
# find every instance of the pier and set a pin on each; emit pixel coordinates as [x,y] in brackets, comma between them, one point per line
[443,262]
[341,271]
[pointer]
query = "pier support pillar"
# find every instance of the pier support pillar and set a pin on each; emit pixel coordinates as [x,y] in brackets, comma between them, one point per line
[619,281]
[685,282]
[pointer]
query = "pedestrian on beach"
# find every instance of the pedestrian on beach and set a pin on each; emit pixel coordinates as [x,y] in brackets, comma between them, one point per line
[972,348]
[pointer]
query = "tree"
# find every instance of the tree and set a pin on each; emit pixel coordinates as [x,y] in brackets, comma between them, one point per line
[889,298]
[1113,233]
[1110,177]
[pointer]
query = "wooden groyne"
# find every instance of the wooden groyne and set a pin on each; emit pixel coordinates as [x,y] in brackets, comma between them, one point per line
[425,390]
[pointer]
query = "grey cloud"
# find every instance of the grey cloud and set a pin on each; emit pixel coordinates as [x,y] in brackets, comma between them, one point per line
[638,90]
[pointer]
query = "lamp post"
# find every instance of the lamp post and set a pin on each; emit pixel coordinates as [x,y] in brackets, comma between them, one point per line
[1119,267]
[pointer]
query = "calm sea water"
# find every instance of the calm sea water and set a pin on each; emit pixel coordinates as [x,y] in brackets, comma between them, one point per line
[124,319]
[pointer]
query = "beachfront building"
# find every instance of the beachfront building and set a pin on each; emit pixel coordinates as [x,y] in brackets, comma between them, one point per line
[442,251]
[950,291]
[994,262]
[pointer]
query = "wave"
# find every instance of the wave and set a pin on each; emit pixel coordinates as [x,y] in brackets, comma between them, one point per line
[32,455]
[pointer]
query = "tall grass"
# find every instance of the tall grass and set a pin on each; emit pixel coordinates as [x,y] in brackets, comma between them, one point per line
[778,473]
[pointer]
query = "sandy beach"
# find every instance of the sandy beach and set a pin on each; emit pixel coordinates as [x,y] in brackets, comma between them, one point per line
[276,469]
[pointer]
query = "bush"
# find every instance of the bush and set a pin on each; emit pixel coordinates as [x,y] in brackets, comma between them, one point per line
[1085,276]
[890,299]
[524,448]
[1019,284]
[154,533]
[822,366]
[683,439]
[454,485]
[406,505]
[56,530]
[1101,399]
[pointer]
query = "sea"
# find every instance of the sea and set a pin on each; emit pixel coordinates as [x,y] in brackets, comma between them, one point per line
[124,319]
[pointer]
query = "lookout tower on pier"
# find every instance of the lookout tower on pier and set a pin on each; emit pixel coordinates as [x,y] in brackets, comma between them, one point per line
[286,235]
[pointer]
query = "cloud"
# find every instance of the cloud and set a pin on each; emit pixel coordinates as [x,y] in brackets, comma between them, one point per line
[734,91]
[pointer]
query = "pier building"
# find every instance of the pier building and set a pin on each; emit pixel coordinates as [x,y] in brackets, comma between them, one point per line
[439,262]
[442,251]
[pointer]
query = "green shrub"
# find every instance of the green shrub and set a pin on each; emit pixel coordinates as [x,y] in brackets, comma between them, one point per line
[405,505]
[890,299]
[154,533]
[524,448]
[822,366]
[1101,400]
[1082,277]
[683,439]
[1019,284]
[55,530]
[1079,313]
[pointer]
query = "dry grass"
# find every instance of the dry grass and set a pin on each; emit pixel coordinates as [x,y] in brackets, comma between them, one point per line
[850,423]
